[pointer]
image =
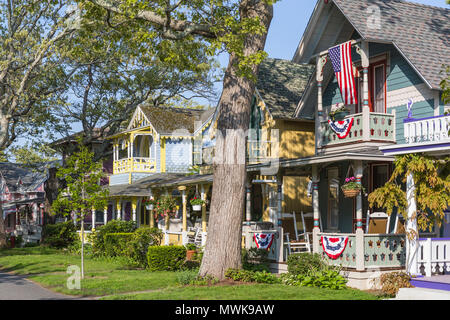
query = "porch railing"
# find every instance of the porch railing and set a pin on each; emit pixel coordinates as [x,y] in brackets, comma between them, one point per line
[379,250]
[136,164]
[427,129]
[434,255]
[381,128]
[258,150]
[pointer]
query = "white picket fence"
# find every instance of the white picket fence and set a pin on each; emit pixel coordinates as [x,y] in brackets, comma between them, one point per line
[434,255]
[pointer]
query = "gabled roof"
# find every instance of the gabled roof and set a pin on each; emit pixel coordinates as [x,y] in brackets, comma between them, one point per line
[281,84]
[420,32]
[14,173]
[166,120]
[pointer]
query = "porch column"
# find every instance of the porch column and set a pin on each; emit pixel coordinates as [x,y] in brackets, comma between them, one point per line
[315,204]
[184,208]
[412,245]
[93,219]
[119,209]
[359,237]
[366,108]
[105,215]
[133,208]
[279,198]
[203,197]
[248,194]
[320,64]
[150,216]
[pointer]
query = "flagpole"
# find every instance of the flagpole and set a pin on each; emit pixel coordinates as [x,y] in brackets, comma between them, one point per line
[325,52]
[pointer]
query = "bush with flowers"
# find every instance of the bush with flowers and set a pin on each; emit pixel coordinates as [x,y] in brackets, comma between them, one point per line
[196,201]
[151,202]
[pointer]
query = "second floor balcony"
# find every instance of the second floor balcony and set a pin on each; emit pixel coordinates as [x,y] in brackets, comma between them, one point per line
[380,128]
[427,130]
[135,164]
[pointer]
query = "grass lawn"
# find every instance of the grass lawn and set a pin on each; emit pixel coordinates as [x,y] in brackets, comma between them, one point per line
[112,279]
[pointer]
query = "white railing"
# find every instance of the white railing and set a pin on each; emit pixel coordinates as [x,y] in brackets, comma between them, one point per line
[434,255]
[427,129]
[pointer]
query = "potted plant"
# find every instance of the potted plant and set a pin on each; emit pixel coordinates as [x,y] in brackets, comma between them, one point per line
[197,203]
[351,188]
[191,251]
[339,112]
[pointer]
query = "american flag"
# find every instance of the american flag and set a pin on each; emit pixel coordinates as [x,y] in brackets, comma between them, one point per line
[341,59]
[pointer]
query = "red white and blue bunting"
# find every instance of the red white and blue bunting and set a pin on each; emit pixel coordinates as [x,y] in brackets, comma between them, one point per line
[263,240]
[334,246]
[342,128]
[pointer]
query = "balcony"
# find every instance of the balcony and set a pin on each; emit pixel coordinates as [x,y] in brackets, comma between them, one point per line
[381,129]
[432,129]
[135,164]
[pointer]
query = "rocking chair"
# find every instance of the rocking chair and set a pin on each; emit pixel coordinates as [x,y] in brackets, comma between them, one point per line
[377,222]
[295,242]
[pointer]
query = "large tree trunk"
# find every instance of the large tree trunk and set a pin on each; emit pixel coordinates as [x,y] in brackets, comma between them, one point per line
[223,245]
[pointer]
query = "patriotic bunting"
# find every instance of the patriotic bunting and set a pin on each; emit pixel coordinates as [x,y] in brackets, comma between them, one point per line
[263,240]
[334,246]
[342,128]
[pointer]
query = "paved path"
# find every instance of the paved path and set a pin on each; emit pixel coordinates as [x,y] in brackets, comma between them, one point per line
[14,287]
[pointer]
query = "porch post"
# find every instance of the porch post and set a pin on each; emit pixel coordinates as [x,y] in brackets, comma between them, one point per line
[133,208]
[151,217]
[184,203]
[105,215]
[279,198]
[320,64]
[359,237]
[366,108]
[412,245]
[93,219]
[248,214]
[203,197]
[119,209]
[315,204]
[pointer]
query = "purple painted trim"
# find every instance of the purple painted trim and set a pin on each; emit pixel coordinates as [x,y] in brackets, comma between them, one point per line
[434,117]
[430,284]
[434,239]
[417,147]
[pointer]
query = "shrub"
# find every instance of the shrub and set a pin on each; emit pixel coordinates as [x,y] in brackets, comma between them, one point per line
[392,281]
[303,263]
[323,278]
[113,226]
[117,244]
[251,276]
[60,235]
[162,258]
[75,247]
[141,239]
[187,277]
[255,259]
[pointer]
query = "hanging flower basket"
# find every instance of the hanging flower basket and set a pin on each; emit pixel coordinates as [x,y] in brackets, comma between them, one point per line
[351,188]
[149,206]
[196,204]
[338,113]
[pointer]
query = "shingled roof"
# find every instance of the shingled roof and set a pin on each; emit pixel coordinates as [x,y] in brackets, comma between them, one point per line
[165,120]
[13,173]
[420,32]
[281,84]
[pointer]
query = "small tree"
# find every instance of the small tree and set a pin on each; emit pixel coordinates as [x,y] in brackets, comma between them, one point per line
[432,189]
[83,191]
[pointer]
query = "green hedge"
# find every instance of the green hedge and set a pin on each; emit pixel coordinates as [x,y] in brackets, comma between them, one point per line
[113,226]
[117,244]
[303,263]
[59,235]
[170,258]
[141,240]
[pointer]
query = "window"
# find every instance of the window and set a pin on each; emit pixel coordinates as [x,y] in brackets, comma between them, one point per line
[377,87]
[380,174]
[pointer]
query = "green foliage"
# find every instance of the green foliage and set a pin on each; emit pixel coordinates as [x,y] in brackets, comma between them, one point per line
[303,263]
[117,244]
[113,226]
[59,235]
[33,156]
[165,258]
[321,278]
[392,281]
[139,243]
[190,246]
[432,188]
[255,259]
[75,248]
[165,207]
[445,84]
[251,276]
[83,191]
